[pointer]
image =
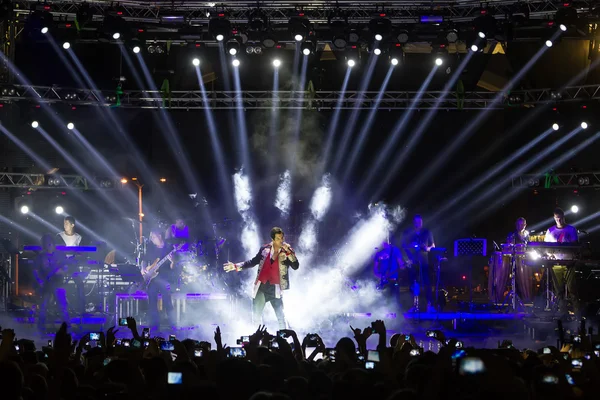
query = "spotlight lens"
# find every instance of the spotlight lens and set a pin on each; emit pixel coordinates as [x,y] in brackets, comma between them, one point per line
[236,63]
[136,49]
[66,45]
[70,126]
[298,37]
[233,51]
[116,35]
[378,37]
[549,43]
[306,52]
[220,37]
[481,35]
[574,209]
[351,63]
[196,62]
[377,52]
[563,27]
[584,125]
[438,61]
[45,30]
[35,124]
[474,48]
[555,126]
[59,210]
[276,63]
[394,61]
[24,209]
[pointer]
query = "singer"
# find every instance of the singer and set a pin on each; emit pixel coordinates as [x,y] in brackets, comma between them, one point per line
[273,260]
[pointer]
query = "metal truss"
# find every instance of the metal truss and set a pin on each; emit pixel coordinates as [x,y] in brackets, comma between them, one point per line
[316,11]
[559,181]
[41,181]
[193,99]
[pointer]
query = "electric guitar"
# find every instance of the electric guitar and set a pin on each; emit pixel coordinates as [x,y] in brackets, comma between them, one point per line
[152,271]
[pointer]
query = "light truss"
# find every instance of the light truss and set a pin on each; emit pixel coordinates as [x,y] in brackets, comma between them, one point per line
[316,11]
[41,181]
[321,100]
[571,180]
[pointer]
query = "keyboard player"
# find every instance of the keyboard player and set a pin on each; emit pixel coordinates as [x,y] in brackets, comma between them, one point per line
[563,278]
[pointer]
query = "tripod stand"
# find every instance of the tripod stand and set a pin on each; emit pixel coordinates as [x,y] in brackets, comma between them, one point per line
[513,282]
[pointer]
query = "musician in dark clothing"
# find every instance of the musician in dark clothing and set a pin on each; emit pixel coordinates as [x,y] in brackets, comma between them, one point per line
[417,242]
[520,235]
[157,251]
[49,271]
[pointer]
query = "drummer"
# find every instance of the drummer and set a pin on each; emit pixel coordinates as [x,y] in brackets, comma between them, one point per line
[520,235]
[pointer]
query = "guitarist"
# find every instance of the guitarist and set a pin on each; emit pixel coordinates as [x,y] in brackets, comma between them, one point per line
[49,270]
[157,251]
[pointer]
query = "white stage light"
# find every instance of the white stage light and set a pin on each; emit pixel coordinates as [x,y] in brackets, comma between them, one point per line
[377,52]
[276,63]
[136,49]
[233,51]
[474,48]
[220,37]
[66,45]
[70,126]
[563,27]
[378,37]
[584,125]
[116,35]
[481,35]
[394,61]
[298,37]
[548,43]
[35,124]
[196,62]
[59,210]
[235,63]
[555,126]
[306,52]
[45,30]
[351,63]
[574,209]
[439,61]
[24,209]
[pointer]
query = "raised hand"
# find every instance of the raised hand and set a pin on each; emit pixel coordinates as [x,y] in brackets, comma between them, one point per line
[229,266]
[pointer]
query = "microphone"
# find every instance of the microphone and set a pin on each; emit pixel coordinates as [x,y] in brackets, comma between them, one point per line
[496,245]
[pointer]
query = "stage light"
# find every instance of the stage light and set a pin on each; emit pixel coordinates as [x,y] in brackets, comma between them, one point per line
[116,35]
[574,209]
[584,125]
[298,37]
[66,45]
[307,48]
[452,36]
[339,42]
[35,124]
[70,126]
[163,180]
[136,49]
[123,180]
[402,37]
[394,61]
[59,210]
[563,27]
[233,47]
[306,51]
[583,181]
[196,62]
[44,30]
[377,52]
[378,37]
[481,35]
[351,63]
[474,48]
[555,126]
[219,37]
[548,43]
[276,63]
[439,61]
[24,209]
[235,63]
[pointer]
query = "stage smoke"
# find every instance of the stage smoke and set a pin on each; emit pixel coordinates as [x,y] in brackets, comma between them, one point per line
[283,200]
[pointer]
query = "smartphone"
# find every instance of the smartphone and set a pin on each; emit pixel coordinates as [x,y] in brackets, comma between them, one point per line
[310,350]
[459,345]
[94,336]
[577,339]
[282,334]
[175,378]
[146,333]
[576,363]
[458,354]
[273,344]
[551,379]
[369,365]
[146,344]
[373,355]
[107,361]
[119,342]
[415,352]
[597,353]
[171,338]
[431,334]
[50,343]
[166,346]
[407,337]
[122,321]
[197,353]
[126,343]
[237,352]
[570,379]
[547,350]
[471,365]
[17,348]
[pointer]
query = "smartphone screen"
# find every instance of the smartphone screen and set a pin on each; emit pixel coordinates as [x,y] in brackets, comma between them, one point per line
[237,352]
[171,337]
[309,351]
[167,346]
[122,321]
[146,333]
[373,355]
[471,365]
[174,378]
[369,365]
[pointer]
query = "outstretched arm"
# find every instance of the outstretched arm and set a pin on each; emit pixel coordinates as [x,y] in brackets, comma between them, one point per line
[229,266]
